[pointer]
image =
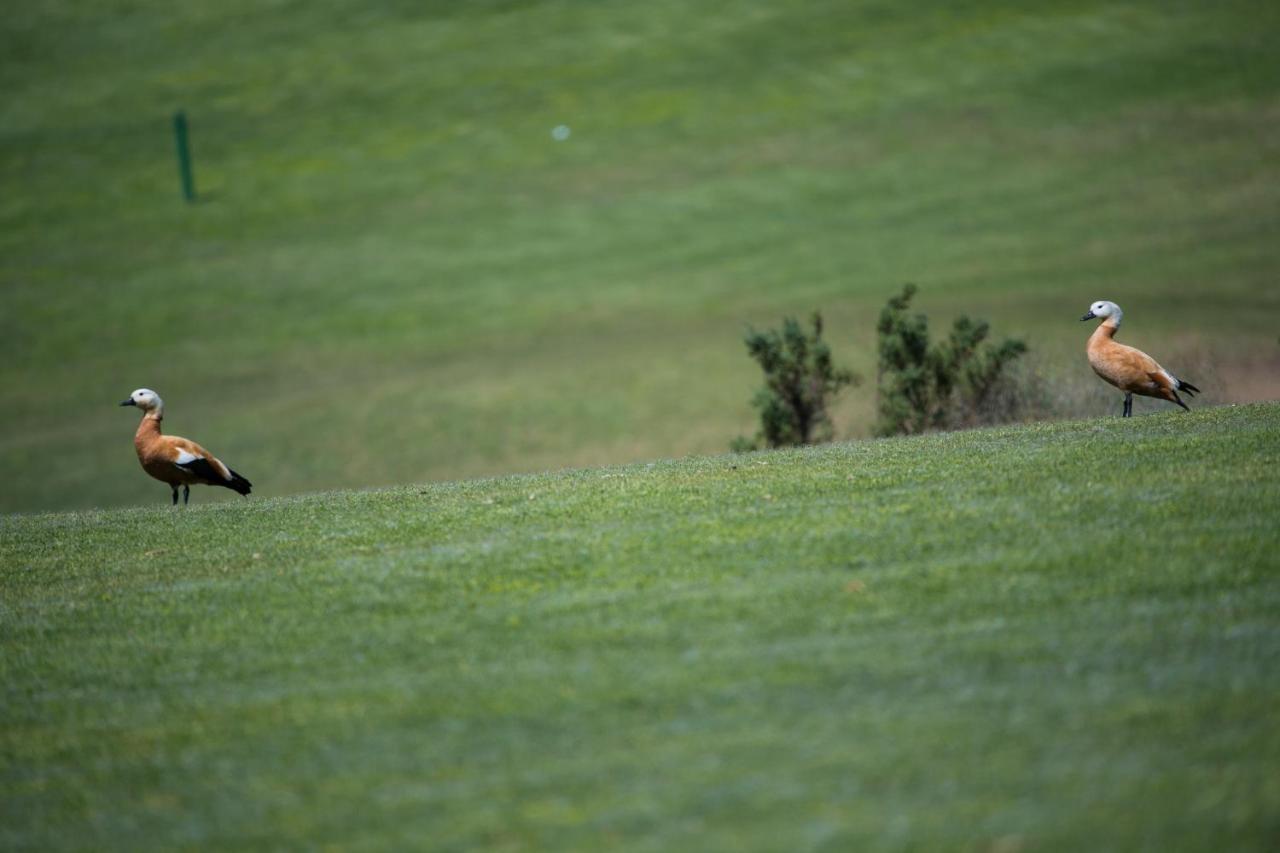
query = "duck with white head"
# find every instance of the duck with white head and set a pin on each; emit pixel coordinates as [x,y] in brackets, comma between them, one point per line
[1131,370]
[173,460]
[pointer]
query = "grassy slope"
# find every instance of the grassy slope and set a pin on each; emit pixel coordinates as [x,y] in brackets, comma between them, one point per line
[407,279]
[1053,637]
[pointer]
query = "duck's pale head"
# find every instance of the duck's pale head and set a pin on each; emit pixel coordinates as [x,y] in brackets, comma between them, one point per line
[1104,310]
[145,399]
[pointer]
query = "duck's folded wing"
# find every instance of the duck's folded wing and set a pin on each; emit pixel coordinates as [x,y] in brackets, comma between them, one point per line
[207,468]
[1133,362]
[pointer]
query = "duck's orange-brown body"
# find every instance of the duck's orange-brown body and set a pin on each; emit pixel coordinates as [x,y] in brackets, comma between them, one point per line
[1131,370]
[162,456]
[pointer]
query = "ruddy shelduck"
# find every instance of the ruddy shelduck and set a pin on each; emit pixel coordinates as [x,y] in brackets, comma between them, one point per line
[1131,370]
[173,460]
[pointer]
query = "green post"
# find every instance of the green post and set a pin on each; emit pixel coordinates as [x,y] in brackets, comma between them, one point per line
[184,155]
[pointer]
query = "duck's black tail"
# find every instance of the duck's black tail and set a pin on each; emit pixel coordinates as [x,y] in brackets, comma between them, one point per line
[213,477]
[237,483]
[1190,389]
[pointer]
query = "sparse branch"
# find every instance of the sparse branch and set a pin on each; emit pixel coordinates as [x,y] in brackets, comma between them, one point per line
[944,385]
[800,378]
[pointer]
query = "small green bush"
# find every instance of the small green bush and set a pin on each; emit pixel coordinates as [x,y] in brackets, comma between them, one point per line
[800,380]
[954,383]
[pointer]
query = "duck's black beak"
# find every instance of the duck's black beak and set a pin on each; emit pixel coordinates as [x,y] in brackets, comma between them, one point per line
[1088,316]
[128,402]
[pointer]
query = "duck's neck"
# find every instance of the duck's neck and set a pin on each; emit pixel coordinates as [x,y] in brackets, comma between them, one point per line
[1107,330]
[149,429]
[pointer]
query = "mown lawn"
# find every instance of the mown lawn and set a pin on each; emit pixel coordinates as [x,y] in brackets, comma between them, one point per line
[1058,637]
[396,274]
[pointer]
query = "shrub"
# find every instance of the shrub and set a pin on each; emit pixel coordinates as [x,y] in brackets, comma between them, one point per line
[955,383]
[800,380]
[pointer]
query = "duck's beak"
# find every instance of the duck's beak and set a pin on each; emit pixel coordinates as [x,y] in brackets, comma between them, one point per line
[128,402]
[1088,316]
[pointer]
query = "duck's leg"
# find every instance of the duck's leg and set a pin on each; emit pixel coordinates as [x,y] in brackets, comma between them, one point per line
[1128,406]
[175,495]
[186,494]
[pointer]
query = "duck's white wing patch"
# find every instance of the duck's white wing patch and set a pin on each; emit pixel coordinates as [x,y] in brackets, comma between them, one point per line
[185,457]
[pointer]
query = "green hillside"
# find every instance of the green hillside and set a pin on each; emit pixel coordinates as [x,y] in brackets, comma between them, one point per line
[395,273]
[1058,637]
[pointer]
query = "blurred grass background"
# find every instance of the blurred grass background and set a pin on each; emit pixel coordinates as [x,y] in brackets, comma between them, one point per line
[396,274]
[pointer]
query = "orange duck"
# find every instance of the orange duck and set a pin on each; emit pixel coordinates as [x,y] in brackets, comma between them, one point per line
[173,460]
[1131,370]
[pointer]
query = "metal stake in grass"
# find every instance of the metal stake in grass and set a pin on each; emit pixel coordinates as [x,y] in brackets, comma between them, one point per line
[184,156]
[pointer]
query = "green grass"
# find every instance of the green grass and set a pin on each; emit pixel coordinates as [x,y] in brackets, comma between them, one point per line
[396,275]
[1056,637]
